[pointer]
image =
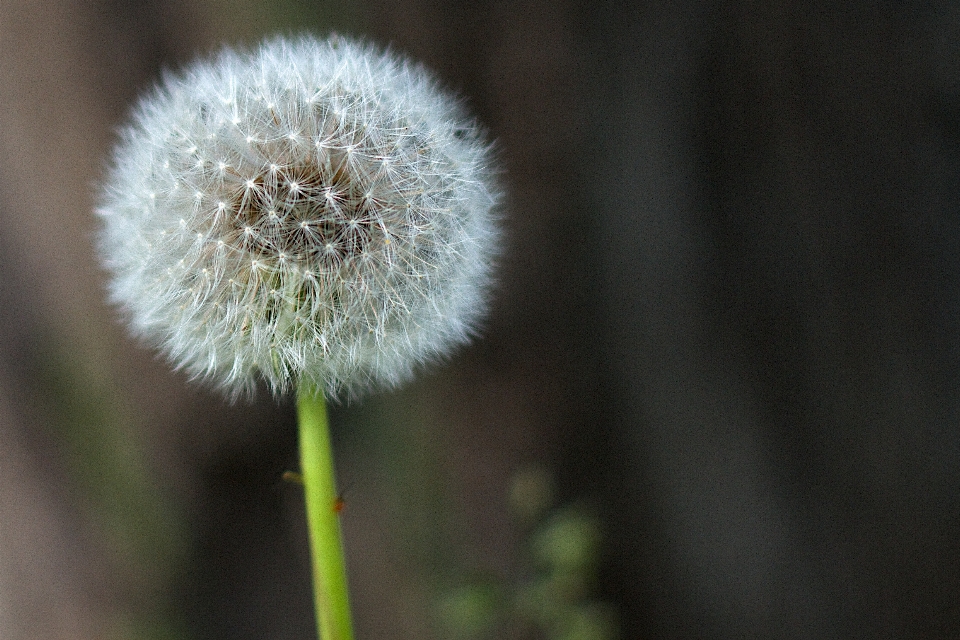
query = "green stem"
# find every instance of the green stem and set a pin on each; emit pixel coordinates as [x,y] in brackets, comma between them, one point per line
[331,601]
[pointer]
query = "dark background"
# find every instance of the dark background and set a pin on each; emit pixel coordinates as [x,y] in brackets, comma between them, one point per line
[727,325]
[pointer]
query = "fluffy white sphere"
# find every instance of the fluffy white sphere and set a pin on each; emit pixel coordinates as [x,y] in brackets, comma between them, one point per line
[313,211]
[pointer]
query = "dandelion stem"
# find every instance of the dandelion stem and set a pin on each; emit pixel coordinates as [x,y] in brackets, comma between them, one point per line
[331,600]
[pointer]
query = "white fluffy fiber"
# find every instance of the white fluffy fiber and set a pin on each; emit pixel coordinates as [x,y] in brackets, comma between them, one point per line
[310,212]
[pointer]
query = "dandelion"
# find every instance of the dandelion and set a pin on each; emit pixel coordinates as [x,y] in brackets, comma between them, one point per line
[310,212]
[315,214]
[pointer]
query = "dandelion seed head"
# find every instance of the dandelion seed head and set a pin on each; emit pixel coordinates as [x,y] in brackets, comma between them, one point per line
[331,221]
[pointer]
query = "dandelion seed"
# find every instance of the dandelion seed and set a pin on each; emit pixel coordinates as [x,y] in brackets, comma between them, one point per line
[341,263]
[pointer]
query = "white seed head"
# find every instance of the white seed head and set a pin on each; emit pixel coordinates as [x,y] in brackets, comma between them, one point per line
[312,211]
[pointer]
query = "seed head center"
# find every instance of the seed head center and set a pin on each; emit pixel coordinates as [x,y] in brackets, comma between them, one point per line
[301,214]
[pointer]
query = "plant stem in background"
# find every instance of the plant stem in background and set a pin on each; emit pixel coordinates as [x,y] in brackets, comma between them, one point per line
[331,600]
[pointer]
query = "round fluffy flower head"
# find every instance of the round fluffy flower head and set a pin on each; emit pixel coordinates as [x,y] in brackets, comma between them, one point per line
[309,212]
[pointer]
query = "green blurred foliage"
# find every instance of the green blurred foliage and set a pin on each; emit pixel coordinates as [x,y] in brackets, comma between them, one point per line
[556,600]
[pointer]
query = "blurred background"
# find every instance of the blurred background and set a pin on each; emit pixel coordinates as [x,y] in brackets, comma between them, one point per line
[717,397]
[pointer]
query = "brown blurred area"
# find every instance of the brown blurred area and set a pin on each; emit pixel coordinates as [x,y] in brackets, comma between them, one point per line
[728,321]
